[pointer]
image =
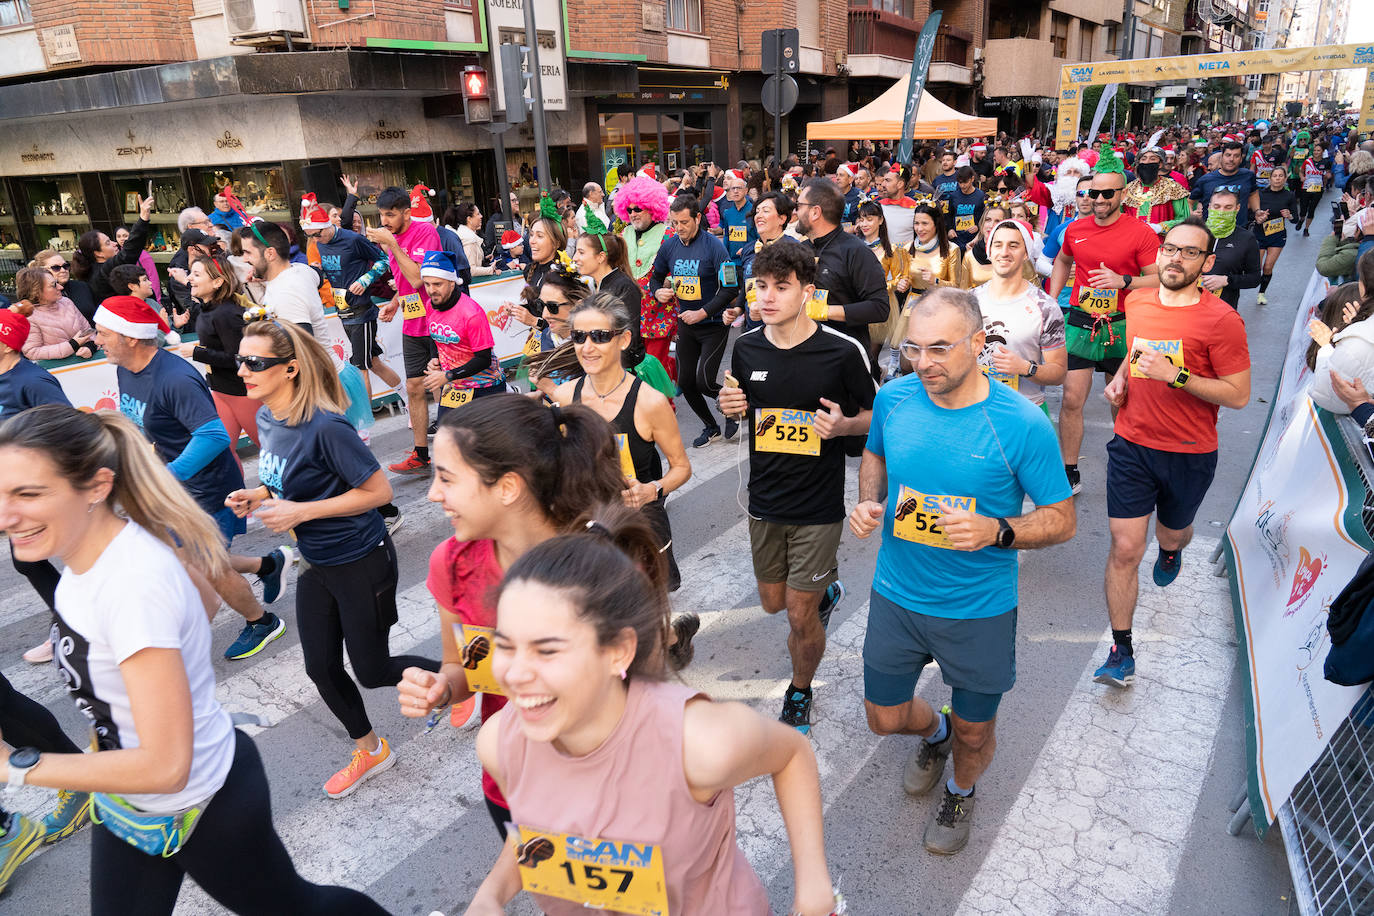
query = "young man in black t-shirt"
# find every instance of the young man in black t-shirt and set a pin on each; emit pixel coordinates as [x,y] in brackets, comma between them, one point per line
[801,386]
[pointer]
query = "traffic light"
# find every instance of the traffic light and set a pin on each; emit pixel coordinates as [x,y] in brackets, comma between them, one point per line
[512,62]
[476,95]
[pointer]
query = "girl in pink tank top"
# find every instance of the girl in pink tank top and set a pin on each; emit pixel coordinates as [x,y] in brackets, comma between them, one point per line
[621,783]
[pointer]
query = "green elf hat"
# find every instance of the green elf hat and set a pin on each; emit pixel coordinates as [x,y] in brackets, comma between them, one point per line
[1108,162]
[548,208]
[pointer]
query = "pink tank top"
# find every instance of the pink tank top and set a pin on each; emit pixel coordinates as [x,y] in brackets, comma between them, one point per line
[632,790]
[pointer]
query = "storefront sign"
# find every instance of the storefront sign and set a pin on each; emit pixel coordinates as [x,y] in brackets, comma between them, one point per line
[38,155]
[383,132]
[59,45]
[228,141]
[506,20]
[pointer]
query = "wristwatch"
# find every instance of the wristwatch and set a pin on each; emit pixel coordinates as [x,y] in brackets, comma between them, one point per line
[1126,281]
[659,488]
[1006,535]
[1181,379]
[1034,368]
[21,761]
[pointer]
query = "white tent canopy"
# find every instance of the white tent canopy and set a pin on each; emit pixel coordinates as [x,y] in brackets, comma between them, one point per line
[881,119]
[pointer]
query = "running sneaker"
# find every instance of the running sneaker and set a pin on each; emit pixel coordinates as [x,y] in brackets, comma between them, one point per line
[1119,670]
[460,713]
[255,636]
[361,767]
[1167,565]
[685,627]
[834,594]
[926,765]
[413,464]
[40,654]
[1075,480]
[433,428]
[393,522]
[71,814]
[19,840]
[279,579]
[796,711]
[731,427]
[1261,299]
[948,831]
[708,435]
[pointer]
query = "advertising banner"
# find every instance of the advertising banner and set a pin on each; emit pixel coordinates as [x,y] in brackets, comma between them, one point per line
[1294,541]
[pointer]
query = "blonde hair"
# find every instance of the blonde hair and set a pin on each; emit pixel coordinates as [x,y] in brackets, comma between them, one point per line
[316,385]
[46,254]
[81,444]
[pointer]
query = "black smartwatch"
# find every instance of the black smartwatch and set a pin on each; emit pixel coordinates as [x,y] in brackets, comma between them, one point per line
[1034,368]
[1126,281]
[1006,536]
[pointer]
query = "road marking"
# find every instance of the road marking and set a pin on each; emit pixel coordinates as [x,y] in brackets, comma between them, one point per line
[1100,822]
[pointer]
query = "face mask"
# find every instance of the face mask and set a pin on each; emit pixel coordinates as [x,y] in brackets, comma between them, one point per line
[1147,172]
[1221,222]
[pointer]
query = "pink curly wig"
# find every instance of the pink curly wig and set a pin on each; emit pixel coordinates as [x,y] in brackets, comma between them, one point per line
[642,192]
[713,217]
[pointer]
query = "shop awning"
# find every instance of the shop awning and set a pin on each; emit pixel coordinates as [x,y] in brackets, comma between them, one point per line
[881,119]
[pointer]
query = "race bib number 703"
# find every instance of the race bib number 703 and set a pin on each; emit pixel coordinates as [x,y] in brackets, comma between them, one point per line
[599,874]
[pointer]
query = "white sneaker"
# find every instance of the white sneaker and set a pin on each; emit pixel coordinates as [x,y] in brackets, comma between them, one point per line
[40,654]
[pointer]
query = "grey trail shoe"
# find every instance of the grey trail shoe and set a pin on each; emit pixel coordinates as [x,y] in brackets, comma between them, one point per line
[925,768]
[948,830]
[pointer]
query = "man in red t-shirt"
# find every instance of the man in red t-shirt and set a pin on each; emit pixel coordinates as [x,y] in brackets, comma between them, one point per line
[1113,252]
[1188,358]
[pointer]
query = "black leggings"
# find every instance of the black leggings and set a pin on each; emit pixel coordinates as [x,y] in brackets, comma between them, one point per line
[352,605]
[1307,205]
[700,348]
[234,854]
[656,514]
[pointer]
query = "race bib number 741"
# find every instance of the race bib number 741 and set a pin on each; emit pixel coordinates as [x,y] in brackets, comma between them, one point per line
[599,874]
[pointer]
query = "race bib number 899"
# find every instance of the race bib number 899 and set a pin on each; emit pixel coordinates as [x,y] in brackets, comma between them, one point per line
[599,874]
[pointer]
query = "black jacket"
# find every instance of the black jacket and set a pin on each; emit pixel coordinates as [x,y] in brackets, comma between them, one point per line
[855,279]
[133,247]
[182,300]
[219,330]
[1238,260]
[79,291]
[623,287]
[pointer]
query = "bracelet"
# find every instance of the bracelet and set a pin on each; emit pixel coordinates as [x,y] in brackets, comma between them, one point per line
[448,693]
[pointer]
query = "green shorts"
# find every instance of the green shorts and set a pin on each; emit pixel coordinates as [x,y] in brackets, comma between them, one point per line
[806,557]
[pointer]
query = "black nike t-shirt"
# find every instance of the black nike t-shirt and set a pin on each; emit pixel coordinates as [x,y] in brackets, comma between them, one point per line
[787,483]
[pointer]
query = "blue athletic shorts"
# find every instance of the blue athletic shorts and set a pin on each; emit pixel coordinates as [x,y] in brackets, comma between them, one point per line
[1142,480]
[977,657]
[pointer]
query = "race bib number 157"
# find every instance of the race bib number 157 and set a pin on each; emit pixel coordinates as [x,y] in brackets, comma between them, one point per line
[599,874]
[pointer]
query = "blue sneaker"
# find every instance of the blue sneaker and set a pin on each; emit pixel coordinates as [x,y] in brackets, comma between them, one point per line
[72,811]
[1119,670]
[21,838]
[796,711]
[255,636]
[1167,565]
[279,579]
[834,594]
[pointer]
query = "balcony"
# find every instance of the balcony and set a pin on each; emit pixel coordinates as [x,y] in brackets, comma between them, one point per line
[882,44]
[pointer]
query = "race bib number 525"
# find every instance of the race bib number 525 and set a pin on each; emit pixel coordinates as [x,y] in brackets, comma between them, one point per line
[791,432]
[916,512]
[599,874]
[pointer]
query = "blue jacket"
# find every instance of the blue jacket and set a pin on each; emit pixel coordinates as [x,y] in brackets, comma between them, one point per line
[697,268]
[738,223]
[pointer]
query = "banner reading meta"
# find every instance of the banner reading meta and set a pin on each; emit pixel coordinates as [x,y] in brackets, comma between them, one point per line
[1294,541]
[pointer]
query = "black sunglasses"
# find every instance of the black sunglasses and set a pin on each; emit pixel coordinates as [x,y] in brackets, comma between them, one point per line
[634,209]
[599,336]
[545,306]
[262,363]
[57,267]
[1104,193]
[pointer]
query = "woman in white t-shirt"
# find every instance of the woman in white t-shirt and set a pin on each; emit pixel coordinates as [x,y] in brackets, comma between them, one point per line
[177,788]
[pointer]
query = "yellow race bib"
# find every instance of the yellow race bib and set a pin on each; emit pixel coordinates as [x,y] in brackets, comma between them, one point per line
[1171,349]
[476,643]
[751,295]
[340,302]
[1313,184]
[599,874]
[411,306]
[739,233]
[627,463]
[1098,301]
[455,397]
[786,431]
[688,289]
[1010,379]
[963,223]
[1273,226]
[916,514]
[818,306]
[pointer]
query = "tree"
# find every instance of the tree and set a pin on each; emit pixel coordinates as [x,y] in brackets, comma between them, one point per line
[1217,94]
[1091,96]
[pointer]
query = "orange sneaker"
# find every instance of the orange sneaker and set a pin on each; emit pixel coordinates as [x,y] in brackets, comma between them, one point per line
[413,464]
[460,713]
[361,767]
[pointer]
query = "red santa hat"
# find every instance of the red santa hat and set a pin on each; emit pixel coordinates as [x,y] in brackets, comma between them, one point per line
[14,329]
[717,193]
[735,173]
[419,207]
[510,240]
[978,148]
[849,168]
[313,216]
[130,316]
[648,171]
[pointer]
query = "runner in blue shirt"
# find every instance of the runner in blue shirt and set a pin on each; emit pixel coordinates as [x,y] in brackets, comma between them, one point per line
[737,218]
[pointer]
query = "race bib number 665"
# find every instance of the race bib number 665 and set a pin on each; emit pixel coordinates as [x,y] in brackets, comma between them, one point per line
[599,874]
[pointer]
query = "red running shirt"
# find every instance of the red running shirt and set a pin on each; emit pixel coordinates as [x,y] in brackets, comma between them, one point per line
[1209,339]
[1127,247]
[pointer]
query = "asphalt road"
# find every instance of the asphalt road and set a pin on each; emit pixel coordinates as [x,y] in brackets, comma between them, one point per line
[1096,801]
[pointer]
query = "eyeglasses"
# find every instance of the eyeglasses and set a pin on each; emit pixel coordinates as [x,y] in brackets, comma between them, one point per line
[1081,192]
[634,209]
[1104,193]
[599,336]
[56,267]
[1189,252]
[938,353]
[546,306]
[262,363]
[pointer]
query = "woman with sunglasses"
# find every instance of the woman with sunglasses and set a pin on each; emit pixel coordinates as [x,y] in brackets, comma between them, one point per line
[219,330]
[642,418]
[133,634]
[549,361]
[320,482]
[78,291]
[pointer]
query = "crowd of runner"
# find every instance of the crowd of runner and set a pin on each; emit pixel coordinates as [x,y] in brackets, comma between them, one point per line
[910,315]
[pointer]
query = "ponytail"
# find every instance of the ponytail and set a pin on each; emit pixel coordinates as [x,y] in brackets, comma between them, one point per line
[83,259]
[316,385]
[81,444]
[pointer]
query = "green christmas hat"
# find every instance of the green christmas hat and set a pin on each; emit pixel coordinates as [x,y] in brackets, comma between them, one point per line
[1108,162]
[595,226]
[548,208]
